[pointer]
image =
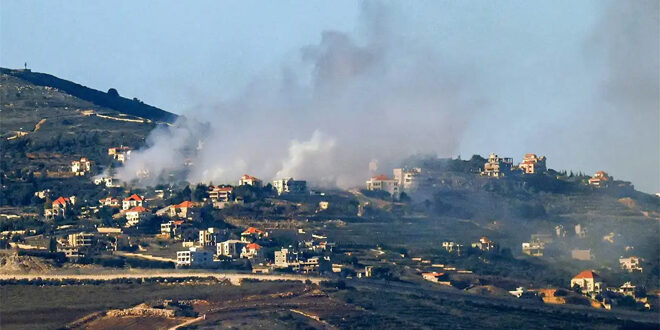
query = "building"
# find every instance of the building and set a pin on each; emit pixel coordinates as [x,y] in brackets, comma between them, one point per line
[209,237]
[132,201]
[252,251]
[600,179]
[323,205]
[588,281]
[532,164]
[109,201]
[285,258]
[631,264]
[221,194]
[81,167]
[183,210]
[247,180]
[384,183]
[580,231]
[194,257]
[433,276]
[135,215]
[252,234]
[171,228]
[584,255]
[485,244]
[290,186]
[534,249]
[230,248]
[107,181]
[120,154]
[452,247]
[496,166]
[81,240]
[407,179]
[59,207]
[308,265]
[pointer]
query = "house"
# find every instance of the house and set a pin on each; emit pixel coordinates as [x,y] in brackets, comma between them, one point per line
[43,194]
[81,167]
[531,164]
[220,194]
[252,234]
[81,240]
[261,269]
[107,181]
[285,258]
[580,231]
[584,255]
[534,249]
[588,281]
[247,180]
[631,264]
[132,201]
[59,206]
[109,201]
[518,292]
[627,289]
[230,248]
[496,166]
[384,183]
[135,215]
[407,178]
[323,205]
[171,228]
[194,257]
[209,237]
[183,210]
[600,179]
[252,251]
[433,276]
[120,154]
[452,247]
[485,244]
[289,186]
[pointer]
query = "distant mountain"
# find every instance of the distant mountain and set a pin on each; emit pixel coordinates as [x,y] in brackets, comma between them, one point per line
[110,100]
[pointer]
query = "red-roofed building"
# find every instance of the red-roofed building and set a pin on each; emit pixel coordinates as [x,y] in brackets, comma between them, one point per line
[132,201]
[221,194]
[532,164]
[249,180]
[251,234]
[600,179]
[588,281]
[252,251]
[497,166]
[59,206]
[383,182]
[182,210]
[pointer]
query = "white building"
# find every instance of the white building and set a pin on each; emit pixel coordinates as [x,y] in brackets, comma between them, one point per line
[290,186]
[209,236]
[384,183]
[135,215]
[230,248]
[407,179]
[81,167]
[285,258]
[534,249]
[252,251]
[194,257]
[631,264]
[248,180]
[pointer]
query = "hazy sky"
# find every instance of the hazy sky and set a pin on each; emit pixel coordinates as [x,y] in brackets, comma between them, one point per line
[574,80]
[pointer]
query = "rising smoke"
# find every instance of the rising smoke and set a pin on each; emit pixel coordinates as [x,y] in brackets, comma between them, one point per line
[345,104]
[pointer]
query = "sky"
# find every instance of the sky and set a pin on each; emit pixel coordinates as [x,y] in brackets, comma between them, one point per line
[351,83]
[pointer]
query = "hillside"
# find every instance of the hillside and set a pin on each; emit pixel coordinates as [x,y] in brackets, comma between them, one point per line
[108,100]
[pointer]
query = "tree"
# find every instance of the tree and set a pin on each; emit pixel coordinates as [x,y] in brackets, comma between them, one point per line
[113,92]
[52,245]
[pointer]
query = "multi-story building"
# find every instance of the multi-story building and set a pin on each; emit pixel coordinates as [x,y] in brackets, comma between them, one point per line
[109,201]
[81,240]
[407,179]
[171,228]
[496,166]
[209,237]
[230,248]
[252,251]
[135,215]
[184,210]
[384,183]
[290,186]
[485,244]
[588,281]
[532,164]
[600,179]
[252,234]
[221,194]
[132,201]
[194,257]
[452,247]
[534,248]
[631,264]
[81,167]
[286,258]
[249,181]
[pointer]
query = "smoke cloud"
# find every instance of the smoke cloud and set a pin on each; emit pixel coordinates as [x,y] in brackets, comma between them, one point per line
[372,97]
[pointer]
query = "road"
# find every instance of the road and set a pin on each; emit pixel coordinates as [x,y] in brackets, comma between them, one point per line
[234,278]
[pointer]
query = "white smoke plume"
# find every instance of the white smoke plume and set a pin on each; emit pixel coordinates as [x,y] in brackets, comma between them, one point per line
[345,102]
